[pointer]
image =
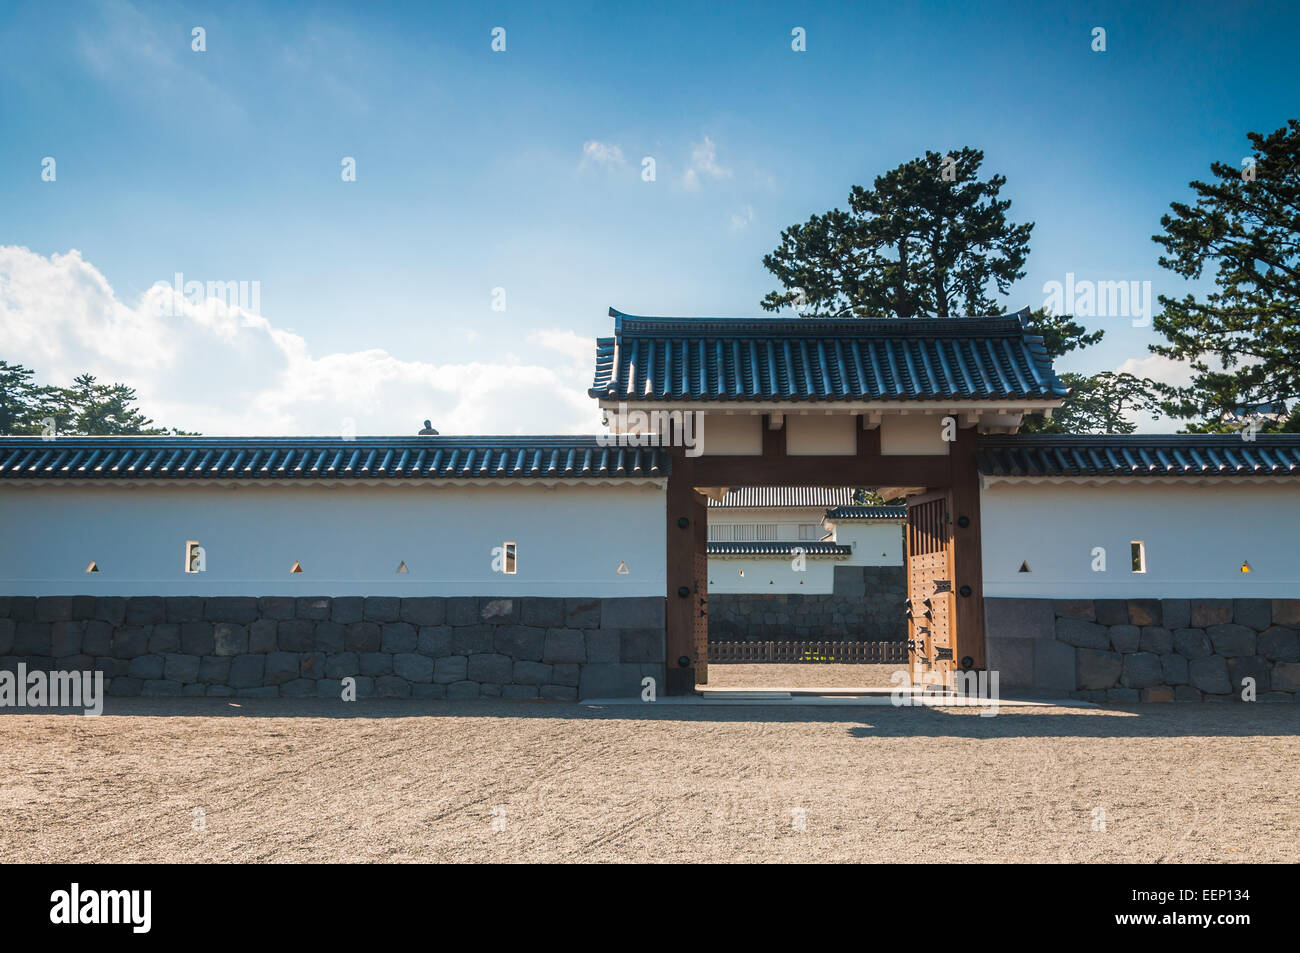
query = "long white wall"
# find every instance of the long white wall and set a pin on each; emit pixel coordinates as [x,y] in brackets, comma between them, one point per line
[348,539]
[1196,535]
[874,544]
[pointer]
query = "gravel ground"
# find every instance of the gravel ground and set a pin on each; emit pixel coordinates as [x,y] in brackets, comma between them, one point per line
[314,780]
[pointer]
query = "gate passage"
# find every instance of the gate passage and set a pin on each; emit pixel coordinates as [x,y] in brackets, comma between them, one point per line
[931,619]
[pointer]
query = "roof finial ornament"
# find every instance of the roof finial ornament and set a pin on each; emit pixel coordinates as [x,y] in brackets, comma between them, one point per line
[428,430]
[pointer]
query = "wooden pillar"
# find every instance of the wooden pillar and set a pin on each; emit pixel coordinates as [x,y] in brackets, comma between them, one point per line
[967,553]
[680,577]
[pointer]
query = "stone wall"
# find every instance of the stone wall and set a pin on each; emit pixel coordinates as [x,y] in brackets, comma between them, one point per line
[867,605]
[1128,650]
[435,647]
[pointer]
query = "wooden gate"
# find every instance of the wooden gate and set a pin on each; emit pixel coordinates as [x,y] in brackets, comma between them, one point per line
[931,615]
[700,597]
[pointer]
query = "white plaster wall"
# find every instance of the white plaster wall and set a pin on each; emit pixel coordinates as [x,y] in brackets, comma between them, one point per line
[912,434]
[821,434]
[874,544]
[731,435]
[1196,535]
[775,576]
[349,539]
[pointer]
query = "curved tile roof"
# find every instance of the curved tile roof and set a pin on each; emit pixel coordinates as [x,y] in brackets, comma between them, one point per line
[835,550]
[1171,455]
[867,513]
[823,359]
[296,458]
[756,496]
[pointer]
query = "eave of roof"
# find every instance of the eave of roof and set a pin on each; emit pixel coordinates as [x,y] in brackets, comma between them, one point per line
[784,549]
[867,513]
[757,497]
[978,359]
[327,458]
[1139,455]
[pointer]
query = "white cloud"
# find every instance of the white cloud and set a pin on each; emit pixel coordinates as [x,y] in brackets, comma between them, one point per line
[704,164]
[742,219]
[224,370]
[600,153]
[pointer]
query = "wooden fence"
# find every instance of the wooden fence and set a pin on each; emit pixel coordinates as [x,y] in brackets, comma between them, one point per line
[859,652]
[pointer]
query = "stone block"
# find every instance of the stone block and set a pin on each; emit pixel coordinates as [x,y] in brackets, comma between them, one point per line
[1111,611]
[1174,669]
[312,665]
[181,668]
[450,669]
[462,690]
[565,645]
[582,613]
[603,645]
[542,613]
[344,610]
[241,610]
[518,642]
[298,688]
[296,635]
[1123,696]
[489,690]
[110,609]
[83,608]
[159,686]
[519,691]
[258,691]
[36,638]
[499,611]
[1279,644]
[1177,613]
[247,671]
[423,610]
[642,612]
[413,667]
[1255,614]
[1141,670]
[146,667]
[7,627]
[1054,666]
[281,667]
[434,640]
[194,690]
[1185,693]
[330,637]
[531,673]
[1125,638]
[1158,693]
[490,668]
[1209,674]
[1286,612]
[390,686]
[145,610]
[382,609]
[1156,639]
[65,638]
[1232,639]
[23,608]
[125,685]
[219,691]
[565,673]
[1097,669]
[423,690]
[342,664]
[1073,609]
[398,637]
[1192,643]
[229,638]
[197,638]
[558,693]
[1076,632]
[180,609]
[128,641]
[96,638]
[1250,666]
[461,610]
[1145,612]
[472,639]
[363,637]
[640,645]
[1286,677]
[165,638]
[1208,612]
[277,607]
[111,667]
[376,663]
[214,670]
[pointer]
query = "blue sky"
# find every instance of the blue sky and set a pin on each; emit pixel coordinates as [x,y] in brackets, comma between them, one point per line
[474,172]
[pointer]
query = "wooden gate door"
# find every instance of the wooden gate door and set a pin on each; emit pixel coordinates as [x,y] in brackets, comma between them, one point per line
[700,597]
[931,615]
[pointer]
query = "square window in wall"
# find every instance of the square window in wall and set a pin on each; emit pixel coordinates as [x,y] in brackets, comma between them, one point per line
[509,558]
[1138,555]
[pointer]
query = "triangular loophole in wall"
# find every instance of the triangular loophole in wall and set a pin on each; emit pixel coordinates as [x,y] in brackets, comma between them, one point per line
[297,567]
[1024,567]
[93,567]
[622,569]
[401,567]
